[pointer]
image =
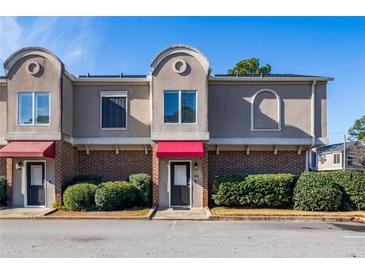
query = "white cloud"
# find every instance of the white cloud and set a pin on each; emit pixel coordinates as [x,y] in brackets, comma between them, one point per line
[10,34]
[72,39]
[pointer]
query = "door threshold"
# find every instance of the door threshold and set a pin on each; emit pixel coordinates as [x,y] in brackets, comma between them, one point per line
[180,207]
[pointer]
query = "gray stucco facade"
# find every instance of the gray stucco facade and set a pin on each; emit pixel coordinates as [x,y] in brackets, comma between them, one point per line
[239,114]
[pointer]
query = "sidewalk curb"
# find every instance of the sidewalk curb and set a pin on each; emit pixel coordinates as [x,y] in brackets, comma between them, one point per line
[284,218]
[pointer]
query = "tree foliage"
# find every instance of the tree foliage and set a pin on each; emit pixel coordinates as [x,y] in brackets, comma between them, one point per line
[249,66]
[357,131]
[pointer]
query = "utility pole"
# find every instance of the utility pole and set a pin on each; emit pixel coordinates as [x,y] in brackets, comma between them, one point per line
[344,152]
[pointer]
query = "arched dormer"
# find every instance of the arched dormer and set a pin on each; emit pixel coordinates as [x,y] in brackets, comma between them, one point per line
[175,50]
[28,53]
[266,111]
[34,74]
[180,94]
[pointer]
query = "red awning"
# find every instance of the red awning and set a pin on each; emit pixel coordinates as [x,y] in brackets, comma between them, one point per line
[180,149]
[28,149]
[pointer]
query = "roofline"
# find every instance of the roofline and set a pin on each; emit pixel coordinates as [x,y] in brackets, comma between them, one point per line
[268,79]
[110,80]
[35,48]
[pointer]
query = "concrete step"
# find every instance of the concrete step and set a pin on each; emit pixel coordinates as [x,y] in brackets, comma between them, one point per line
[181,214]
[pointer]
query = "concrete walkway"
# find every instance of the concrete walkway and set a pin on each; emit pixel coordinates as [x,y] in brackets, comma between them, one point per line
[181,214]
[23,212]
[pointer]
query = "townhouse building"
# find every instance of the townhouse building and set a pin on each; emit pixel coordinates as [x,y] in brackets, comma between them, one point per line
[179,123]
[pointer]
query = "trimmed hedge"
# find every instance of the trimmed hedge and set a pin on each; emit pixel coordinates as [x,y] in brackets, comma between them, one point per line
[317,192]
[115,195]
[80,197]
[2,190]
[87,179]
[262,190]
[352,184]
[142,182]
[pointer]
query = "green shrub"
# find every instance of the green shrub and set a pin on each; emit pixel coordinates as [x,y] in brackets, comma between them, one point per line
[317,192]
[142,182]
[263,190]
[352,184]
[115,195]
[87,179]
[56,205]
[95,179]
[225,179]
[2,190]
[80,197]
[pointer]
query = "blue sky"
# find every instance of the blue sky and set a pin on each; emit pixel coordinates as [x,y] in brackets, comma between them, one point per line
[331,46]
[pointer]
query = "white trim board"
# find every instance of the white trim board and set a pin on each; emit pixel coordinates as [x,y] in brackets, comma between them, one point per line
[266,141]
[278,101]
[39,136]
[109,141]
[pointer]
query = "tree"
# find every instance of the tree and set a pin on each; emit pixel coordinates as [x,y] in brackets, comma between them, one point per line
[358,153]
[249,66]
[357,131]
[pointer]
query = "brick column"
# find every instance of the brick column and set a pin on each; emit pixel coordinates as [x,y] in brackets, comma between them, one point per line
[66,166]
[205,177]
[155,176]
[9,181]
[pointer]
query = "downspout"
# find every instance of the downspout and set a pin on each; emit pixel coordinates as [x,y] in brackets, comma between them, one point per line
[313,122]
[151,107]
[313,110]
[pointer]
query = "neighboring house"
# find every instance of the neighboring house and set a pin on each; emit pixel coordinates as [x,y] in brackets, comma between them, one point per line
[331,157]
[180,124]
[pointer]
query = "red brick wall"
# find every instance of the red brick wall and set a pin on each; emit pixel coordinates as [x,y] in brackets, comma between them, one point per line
[238,162]
[155,176]
[113,166]
[66,166]
[9,181]
[205,179]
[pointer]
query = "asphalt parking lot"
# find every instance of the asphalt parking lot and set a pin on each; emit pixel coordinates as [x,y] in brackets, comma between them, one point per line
[137,238]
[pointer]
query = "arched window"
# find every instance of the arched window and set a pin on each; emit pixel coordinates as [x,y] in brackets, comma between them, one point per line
[266,111]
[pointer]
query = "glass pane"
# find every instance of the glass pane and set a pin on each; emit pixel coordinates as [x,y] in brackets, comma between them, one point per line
[42,107]
[25,108]
[114,112]
[180,178]
[188,107]
[171,107]
[36,178]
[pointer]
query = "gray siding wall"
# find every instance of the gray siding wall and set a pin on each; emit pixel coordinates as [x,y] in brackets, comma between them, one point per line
[230,110]
[165,78]
[3,114]
[49,81]
[86,110]
[67,106]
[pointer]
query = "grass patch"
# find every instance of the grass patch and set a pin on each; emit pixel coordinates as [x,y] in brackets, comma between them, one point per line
[228,211]
[139,212]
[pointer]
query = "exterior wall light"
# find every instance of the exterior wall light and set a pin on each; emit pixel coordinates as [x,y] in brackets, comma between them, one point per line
[18,165]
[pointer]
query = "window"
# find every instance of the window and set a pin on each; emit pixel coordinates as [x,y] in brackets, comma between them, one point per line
[336,158]
[350,160]
[113,111]
[180,107]
[33,108]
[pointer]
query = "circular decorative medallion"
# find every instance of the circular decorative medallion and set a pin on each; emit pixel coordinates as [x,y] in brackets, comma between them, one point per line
[179,66]
[33,68]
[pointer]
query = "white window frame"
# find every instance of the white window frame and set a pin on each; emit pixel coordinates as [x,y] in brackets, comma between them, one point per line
[180,105]
[33,109]
[113,93]
[279,128]
[334,158]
